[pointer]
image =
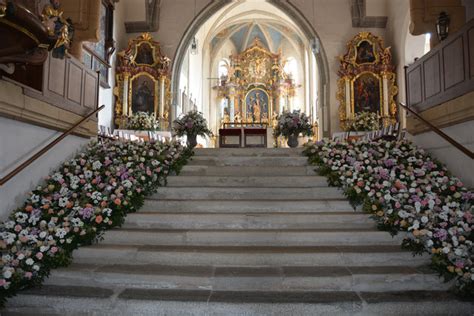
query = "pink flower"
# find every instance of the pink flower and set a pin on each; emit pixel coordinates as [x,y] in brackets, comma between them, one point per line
[39,255]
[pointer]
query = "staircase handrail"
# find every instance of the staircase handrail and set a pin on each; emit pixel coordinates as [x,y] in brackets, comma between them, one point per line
[46,148]
[450,140]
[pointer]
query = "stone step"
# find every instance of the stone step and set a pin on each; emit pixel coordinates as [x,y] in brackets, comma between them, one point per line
[237,181]
[86,300]
[337,255]
[247,206]
[254,193]
[258,171]
[248,152]
[248,161]
[290,278]
[248,237]
[249,220]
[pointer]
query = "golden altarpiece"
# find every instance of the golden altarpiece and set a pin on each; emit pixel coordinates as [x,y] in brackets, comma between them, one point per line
[256,89]
[142,81]
[367,80]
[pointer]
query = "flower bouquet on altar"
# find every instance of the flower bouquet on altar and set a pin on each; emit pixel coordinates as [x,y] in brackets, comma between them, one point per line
[364,121]
[291,125]
[191,124]
[142,121]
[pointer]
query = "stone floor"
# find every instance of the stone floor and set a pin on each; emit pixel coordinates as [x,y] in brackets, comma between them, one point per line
[244,232]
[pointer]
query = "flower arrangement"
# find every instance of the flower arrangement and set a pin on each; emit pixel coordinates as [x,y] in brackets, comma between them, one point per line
[192,123]
[406,190]
[293,123]
[142,121]
[87,195]
[364,121]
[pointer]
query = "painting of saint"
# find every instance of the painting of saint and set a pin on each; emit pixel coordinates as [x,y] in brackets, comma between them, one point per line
[143,98]
[257,105]
[144,55]
[365,53]
[367,93]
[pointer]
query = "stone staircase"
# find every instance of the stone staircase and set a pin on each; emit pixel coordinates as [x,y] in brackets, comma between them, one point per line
[244,232]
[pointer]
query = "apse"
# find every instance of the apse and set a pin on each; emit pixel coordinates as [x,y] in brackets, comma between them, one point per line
[251,63]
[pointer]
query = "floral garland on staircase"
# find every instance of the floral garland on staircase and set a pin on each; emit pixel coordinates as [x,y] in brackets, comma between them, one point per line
[406,190]
[87,195]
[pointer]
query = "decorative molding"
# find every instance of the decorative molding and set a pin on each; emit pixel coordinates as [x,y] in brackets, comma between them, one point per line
[151,23]
[359,18]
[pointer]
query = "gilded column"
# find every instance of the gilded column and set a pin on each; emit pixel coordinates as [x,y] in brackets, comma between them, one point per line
[348,98]
[162,97]
[125,108]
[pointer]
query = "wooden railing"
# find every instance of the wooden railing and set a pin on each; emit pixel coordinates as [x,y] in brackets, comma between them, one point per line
[446,72]
[46,148]
[466,151]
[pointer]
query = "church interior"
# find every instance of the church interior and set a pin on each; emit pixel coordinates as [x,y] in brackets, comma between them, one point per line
[236,157]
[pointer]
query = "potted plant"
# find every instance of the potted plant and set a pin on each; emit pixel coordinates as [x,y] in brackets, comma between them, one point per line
[142,121]
[291,125]
[191,124]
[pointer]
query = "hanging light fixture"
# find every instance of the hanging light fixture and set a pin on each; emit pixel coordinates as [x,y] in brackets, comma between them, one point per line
[194,43]
[442,26]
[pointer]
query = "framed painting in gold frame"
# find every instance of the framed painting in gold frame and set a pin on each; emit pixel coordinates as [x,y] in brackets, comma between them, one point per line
[367,80]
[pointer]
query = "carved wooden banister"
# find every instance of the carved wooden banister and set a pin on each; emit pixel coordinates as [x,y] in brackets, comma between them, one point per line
[47,147]
[450,140]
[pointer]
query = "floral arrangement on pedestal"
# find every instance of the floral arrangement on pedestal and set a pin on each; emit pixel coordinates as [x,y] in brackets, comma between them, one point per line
[142,121]
[291,125]
[191,124]
[406,190]
[84,197]
[364,121]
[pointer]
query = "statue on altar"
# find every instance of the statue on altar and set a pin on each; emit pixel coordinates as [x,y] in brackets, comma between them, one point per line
[255,86]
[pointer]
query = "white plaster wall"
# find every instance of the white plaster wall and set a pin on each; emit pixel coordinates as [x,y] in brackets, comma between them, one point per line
[18,142]
[458,163]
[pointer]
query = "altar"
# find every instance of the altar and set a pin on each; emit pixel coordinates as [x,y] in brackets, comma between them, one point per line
[254,92]
[238,135]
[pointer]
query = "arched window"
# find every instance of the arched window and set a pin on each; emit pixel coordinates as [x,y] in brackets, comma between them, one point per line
[223,69]
[291,67]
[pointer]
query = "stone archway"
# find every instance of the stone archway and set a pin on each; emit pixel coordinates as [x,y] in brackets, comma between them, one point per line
[296,16]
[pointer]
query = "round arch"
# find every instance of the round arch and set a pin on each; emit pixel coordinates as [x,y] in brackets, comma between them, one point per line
[295,15]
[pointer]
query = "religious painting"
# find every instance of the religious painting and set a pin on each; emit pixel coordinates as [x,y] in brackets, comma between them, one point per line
[367,80]
[143,94]
[367,93]
[365,53]
[256,103]
[144,55]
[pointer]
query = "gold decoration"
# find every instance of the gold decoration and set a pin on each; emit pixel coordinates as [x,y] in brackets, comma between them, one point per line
[255,70]
[370,62]
[142,60]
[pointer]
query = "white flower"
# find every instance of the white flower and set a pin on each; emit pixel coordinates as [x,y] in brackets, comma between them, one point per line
[29,261]
[7,274]
[96,165]
[63,201]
